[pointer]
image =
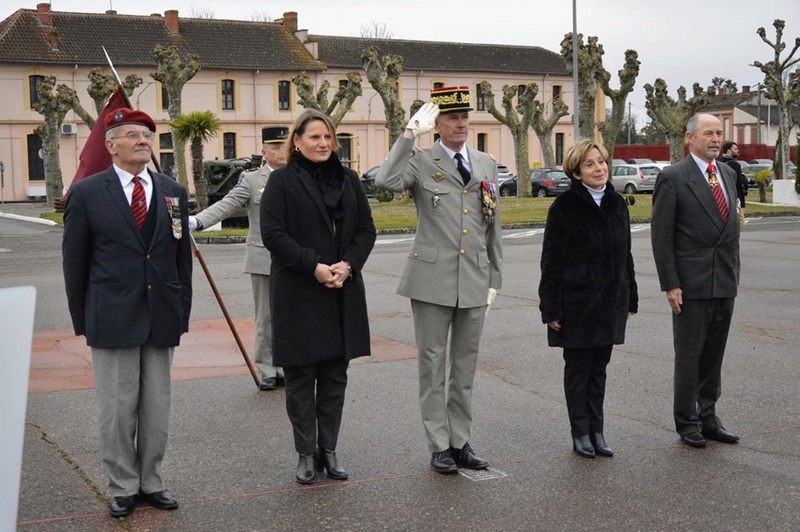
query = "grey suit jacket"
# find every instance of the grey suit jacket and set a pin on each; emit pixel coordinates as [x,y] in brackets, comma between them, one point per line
[246,193]
[456,257]
[694,249]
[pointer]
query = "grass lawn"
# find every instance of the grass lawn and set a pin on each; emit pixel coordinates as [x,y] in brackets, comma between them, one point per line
[397,215]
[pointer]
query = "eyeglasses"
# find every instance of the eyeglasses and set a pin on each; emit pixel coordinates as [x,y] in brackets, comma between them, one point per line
[133,136]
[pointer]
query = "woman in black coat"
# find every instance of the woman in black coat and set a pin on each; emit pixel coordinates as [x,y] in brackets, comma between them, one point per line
[588,289]
[317,223]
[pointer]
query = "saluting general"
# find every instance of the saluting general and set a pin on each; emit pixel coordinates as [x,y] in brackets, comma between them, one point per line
[453,269]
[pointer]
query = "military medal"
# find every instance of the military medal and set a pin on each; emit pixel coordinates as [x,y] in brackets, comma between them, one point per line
[435,200]
[174,209]
[437,176]
[487,193]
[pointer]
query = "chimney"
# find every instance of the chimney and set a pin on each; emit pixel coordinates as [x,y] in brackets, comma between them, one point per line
[52,37]
[290,21]
[171,18]
[111,11]
[43,12]
[746,89]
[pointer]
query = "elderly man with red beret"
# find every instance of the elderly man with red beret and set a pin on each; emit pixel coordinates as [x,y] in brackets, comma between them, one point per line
[128,272]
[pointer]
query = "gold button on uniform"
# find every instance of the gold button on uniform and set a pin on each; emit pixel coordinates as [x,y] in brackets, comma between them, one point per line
[466,211]
[462,251]
[463,231]
[465,192]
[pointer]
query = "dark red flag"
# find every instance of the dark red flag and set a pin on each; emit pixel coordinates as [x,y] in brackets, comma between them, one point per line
[94,156]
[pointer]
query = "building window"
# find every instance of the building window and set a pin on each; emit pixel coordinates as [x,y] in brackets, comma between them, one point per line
[345,151]
[166,157]
[164,98]
[35,162]
[438,84]
[479,100]
[343,83]
[229,145]
[34,94]
[227,95]
[482,142]
[556,92]
[559,149]
[284,96]
[520,90]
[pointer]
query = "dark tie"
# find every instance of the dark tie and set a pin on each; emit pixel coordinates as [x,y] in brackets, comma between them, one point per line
[719,197]
[138,202]
[462,169]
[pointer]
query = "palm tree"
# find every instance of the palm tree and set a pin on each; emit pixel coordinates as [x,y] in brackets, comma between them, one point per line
[197,127]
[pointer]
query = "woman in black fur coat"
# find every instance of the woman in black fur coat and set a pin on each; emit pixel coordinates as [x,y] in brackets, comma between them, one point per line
[588,288]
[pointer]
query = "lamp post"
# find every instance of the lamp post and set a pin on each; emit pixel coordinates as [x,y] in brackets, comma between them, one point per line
[576,97]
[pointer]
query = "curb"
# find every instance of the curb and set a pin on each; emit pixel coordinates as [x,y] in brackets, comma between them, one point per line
[27,219]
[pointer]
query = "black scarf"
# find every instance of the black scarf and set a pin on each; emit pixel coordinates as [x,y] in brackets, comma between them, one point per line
[329,176]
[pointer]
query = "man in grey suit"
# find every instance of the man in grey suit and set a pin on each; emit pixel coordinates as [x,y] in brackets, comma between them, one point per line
[128,275]
[695,238]
[247,193]
[454,265]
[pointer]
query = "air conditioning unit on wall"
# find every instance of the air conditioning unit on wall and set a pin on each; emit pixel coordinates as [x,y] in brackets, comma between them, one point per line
[69,129]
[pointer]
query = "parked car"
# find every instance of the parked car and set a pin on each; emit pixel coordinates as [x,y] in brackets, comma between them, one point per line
[640,160]
[752,170]
[548,182]
[632,178]
[503,174]
[615,162]
[368,182]
[762,161]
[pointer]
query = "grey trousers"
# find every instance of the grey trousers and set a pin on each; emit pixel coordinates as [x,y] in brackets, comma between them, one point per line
[263,333]
[700,334]
[133,399]
[446,416]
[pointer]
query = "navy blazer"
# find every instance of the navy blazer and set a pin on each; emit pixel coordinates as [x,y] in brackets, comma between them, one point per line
[694,248]
[120,290]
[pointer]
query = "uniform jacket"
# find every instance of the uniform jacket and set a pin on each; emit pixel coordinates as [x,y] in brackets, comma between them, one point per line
[588,282]
[694,249]
[297,230]
[121,291]
[247,193]
[456,256]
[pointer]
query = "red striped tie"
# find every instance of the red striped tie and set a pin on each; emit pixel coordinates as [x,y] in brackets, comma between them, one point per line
[138,202]
[719,196]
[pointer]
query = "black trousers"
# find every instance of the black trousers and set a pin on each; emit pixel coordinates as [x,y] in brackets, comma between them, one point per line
[700,334]
[314,402]
[585,387]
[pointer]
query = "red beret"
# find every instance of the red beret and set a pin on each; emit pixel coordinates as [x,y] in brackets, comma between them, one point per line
[123,116]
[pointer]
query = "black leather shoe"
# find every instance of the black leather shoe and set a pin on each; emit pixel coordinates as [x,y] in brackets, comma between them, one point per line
[162,500]
[442,462]
[122,506]
[466,457]
[721,434]
[305,469]
[583,446]
[601,448]
[326,460]
[694,439]
[268,384]
[280,380]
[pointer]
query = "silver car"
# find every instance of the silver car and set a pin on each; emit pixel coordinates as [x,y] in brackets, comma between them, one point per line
[632,178]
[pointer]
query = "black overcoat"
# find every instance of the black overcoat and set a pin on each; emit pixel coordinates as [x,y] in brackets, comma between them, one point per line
[588,283]
[310,322]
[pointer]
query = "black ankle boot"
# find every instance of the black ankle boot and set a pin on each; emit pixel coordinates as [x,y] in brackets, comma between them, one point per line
[305,469]
[326,460]
[583,446]
[600,445]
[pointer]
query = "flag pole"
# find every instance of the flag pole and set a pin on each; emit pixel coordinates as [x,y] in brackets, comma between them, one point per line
[195,250]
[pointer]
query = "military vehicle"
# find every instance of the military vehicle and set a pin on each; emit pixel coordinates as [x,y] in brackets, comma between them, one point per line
[222,175]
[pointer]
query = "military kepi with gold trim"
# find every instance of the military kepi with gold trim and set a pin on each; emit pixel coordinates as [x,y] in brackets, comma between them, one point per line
[451,99]
[272,135]
[125,116]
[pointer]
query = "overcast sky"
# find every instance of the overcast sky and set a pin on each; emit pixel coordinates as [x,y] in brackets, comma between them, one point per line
[681,41]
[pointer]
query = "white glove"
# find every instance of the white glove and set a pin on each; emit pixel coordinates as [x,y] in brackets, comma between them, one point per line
[490,300]
[192,223]
[424,119]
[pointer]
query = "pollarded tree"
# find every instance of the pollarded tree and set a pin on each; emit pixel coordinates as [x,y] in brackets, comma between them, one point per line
[383,73]
[101,83]
[174,71]
[785,93]
[197,127]
[517,116]
[53,103]
[627,79]
[590,63]
[342,100]
[670,116]
[724,85]
[543,126]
